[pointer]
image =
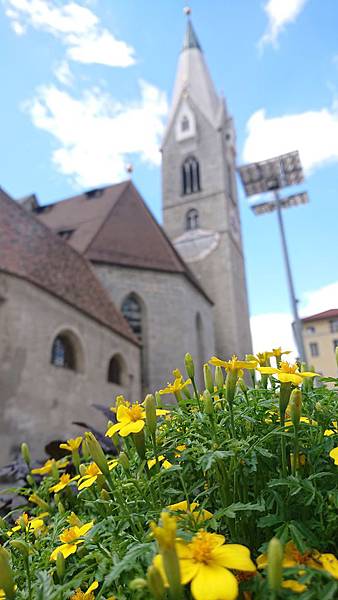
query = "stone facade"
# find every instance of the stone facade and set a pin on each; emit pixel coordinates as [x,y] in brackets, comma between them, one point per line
[212,245]
[320,335]
[39,401]
[176,318]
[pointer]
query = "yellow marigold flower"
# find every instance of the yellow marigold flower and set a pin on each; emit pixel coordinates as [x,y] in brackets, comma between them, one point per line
[329,432]
[30,524]
[131,419]
[48,466]
[180,449]
[192,510]
[71,539]
[72,445]
[88,595]
[63,482]
[334,455]
[287,373]
[176,386]
[162,459]
[91,474]
[277,352]
[294,586]
[234,364]
[205,563]
[2,594]
[313,559]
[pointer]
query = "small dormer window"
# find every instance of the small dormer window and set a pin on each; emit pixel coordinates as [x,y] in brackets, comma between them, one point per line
[185,123]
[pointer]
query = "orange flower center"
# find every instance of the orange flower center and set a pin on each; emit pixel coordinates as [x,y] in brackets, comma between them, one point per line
[135,412]
[285,367]
[93,470]
[202,546]
[70,535]
[301,559]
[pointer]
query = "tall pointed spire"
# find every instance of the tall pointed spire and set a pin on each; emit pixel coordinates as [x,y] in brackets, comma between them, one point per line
[190,38]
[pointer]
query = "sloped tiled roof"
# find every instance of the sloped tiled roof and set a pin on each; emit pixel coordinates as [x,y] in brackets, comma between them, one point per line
[28,249]
[327,314]
[114,226]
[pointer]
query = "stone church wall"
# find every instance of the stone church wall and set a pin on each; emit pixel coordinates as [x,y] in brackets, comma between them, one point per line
[39,401]
[171,322]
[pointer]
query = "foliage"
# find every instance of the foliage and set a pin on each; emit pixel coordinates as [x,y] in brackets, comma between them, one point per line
[249,462]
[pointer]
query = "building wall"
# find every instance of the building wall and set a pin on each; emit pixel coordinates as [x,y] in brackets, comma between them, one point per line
[39,401]
[322,335]
[222,271]
[171,308]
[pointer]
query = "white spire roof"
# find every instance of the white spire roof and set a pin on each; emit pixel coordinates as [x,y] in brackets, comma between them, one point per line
[193,79]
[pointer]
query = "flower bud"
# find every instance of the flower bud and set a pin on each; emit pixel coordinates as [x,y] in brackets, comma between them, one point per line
[61,508]
[158,399]
[82,470]
[208,382]
[150,408]
[208,403]
[60,566]
[155,583]
[189,365]
[124,461]
[30,480]
[275,560]
[97,453]
[6,575]
[104,495]
[35,499]
[140,445]
[25,453]
[55,470]
[295,406]
[85,451]
[137,584]
[119,400]
[219,378]
[21,546]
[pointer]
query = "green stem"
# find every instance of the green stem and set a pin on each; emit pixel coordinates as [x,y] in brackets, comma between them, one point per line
[196,392]
[26,561]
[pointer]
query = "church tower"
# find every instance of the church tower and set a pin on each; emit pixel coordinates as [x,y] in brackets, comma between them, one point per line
[200,205]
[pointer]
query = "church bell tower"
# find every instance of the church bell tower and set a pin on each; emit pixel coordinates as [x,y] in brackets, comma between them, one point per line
[200,205]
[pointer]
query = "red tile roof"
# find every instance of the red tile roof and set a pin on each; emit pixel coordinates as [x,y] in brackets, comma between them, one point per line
[28,249]
[327,314]
[113,225]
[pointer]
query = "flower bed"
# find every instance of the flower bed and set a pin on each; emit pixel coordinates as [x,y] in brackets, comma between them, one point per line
[230,492]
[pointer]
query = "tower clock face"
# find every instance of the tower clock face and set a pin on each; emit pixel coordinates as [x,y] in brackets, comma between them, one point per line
[234,226]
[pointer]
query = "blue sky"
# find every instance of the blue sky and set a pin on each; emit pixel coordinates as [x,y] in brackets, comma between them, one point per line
[86,87]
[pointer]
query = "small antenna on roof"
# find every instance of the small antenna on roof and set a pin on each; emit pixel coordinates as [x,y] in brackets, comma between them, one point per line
[187,11]
[129,169]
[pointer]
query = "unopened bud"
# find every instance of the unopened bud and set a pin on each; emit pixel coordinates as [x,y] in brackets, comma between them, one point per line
[137,584]
[104,495]
[158,399]
[219,378]
[55,470]
[275,560]
[295,406]
[97,453]
[30,480]
[85,450]
[155,583]
[25,453]
[124,461]
[35,499]
[6,575]
[119,400]
[61,508]
[20,546]
[189,365]
[140,445]
[150,408]
[242,385]
[208,382]
[82,470]
[60,566]
[208,403]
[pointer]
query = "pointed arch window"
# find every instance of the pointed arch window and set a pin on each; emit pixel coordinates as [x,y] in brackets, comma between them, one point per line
[192,219]
[191,180]
[185,123]
[132,312]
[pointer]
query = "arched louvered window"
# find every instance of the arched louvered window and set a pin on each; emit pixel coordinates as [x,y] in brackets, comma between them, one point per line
[191,181]
[116,370]
[63,353]
[192,219]
[185,123]
[132,312]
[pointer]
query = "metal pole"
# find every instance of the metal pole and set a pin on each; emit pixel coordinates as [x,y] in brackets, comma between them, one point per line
[297,323]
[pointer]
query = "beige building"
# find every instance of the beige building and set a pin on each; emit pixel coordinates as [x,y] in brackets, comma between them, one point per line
[320,334]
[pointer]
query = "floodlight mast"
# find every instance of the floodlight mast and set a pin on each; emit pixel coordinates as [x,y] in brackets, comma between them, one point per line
[270,176]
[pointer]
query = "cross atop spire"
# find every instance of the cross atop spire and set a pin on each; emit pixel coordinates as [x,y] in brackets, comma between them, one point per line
[190,38]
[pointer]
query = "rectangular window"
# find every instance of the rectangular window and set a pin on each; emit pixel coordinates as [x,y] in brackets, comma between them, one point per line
[334,326]
[314,349]
[335,344]
[310,329]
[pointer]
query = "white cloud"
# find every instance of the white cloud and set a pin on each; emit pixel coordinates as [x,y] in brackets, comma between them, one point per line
[280,13]
[96,134]
[76,26]
[313,133]
[274,329]
[63,73]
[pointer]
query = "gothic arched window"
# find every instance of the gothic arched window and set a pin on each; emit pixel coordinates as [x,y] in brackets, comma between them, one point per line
[191,176]
[132,312]
[192,219]
[115,370]
[63,353]
[185,123]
